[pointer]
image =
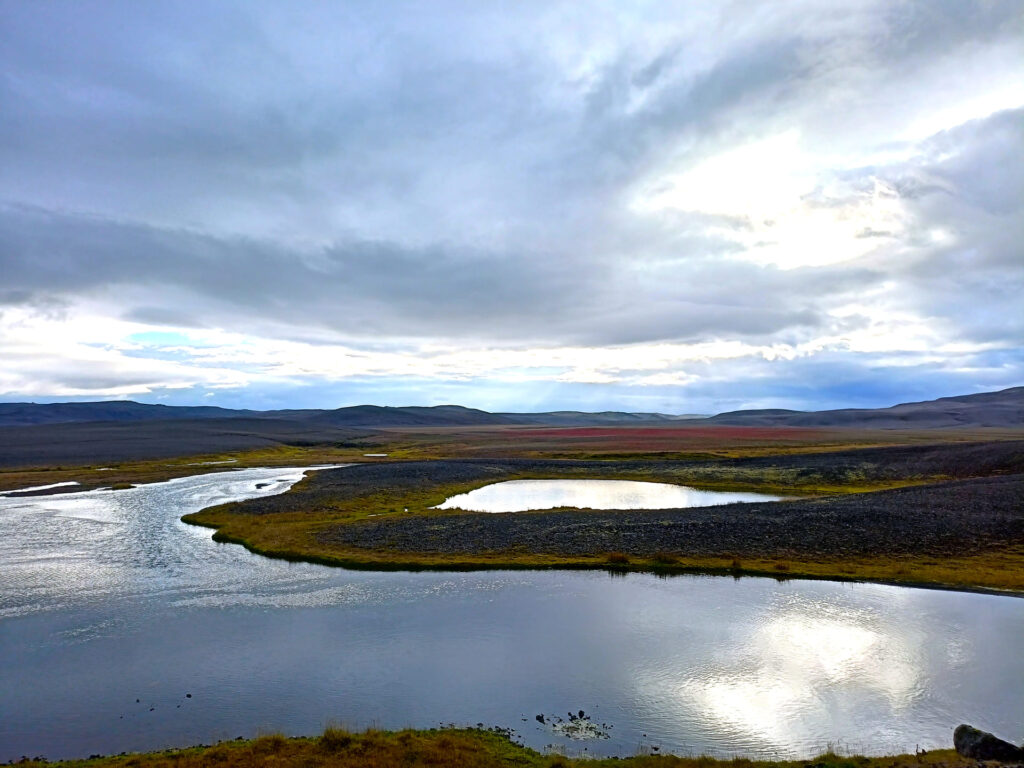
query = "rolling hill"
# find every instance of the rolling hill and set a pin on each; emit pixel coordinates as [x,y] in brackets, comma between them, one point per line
[986,409]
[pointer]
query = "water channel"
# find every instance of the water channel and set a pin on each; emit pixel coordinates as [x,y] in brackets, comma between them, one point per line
[122,628]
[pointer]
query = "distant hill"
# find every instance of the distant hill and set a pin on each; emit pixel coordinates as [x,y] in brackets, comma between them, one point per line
[356,416]
[601,418]
[408,416]
[114,441]
[27,414]
[986,409]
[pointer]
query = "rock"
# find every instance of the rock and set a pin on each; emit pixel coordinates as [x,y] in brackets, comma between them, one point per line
[979,745]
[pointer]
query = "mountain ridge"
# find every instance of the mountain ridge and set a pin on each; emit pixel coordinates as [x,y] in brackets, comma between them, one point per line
[983,409]
[1002,408]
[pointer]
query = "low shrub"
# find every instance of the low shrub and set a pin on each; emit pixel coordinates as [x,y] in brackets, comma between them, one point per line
[334,740]
[270,744]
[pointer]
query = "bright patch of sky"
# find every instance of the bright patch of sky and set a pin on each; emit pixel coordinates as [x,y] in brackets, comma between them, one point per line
[686,207]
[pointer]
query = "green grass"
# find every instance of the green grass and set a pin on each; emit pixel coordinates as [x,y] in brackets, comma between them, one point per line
[454,748]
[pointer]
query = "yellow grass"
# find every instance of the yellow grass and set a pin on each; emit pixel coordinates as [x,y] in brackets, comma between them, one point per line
[456,748]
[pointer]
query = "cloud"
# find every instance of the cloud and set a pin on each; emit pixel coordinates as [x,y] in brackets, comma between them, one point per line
[366,289]
[537,180]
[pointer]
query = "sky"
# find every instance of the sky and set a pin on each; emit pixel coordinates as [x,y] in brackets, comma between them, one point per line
[680,207]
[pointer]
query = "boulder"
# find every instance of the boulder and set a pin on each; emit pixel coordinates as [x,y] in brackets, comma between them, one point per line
[979,745]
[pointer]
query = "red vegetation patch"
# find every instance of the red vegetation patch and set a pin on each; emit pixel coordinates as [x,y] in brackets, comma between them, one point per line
[658,439]
[723,433]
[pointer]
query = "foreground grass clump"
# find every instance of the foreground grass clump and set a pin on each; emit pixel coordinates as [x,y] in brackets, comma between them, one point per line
[453,748]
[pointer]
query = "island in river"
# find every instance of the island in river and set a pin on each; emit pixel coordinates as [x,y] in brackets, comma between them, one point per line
[946,515]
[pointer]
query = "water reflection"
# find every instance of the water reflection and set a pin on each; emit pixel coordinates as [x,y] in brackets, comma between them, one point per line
[64,550]
[521,495]
[106,597]
[805,664]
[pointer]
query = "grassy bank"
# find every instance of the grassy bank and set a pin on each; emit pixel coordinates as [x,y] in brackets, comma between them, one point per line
[997,572]
[451,748]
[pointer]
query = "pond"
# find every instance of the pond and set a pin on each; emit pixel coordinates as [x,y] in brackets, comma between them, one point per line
[122,628]
[521,495]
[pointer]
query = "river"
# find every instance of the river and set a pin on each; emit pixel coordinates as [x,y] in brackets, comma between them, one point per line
[122,628]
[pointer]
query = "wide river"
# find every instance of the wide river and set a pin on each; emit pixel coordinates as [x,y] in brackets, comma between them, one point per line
[122,628]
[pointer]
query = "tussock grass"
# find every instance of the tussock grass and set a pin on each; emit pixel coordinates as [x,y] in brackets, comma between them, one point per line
[454,748]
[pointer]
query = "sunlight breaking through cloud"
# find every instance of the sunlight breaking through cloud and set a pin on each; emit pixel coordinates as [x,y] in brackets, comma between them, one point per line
[619,206]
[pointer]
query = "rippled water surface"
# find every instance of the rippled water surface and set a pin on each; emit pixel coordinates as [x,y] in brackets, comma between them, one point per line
[521,495]
[106,598]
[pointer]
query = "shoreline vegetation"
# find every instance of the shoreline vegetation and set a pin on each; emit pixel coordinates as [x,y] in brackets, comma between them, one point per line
[456,748]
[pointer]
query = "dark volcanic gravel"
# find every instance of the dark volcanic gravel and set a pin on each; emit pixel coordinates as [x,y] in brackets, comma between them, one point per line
[963,460]
[957,517]
[950,518]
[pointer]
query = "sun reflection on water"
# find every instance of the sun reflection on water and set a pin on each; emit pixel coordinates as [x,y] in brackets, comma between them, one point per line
[791,681]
